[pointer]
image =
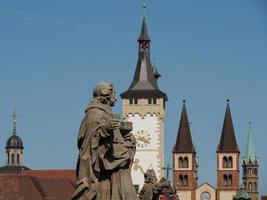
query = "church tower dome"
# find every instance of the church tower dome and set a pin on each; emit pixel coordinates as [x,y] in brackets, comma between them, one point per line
[14,152]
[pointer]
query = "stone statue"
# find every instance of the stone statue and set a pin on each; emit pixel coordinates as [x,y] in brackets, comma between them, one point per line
[153,190]
[106,151]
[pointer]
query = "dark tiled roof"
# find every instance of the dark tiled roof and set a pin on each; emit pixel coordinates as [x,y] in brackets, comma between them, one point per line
[38,185]
[70,174]
[14,142]
[144,33]
[144,84]
[184,140]
[228,141]
[7,169]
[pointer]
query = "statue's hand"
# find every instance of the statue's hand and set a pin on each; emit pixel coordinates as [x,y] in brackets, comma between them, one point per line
[115,121]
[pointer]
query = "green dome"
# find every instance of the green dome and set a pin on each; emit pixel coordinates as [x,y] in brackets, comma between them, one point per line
[242,194]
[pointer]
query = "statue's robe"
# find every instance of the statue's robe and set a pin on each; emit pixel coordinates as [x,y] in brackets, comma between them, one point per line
[121,179]
[97,161]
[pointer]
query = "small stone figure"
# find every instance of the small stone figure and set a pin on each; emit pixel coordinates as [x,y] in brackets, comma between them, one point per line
[153,190]
[106,151]
[149,190]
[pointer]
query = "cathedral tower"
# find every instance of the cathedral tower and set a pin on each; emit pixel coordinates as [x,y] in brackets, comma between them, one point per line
[251,168]
[227,160]
[184,161]
[143,104]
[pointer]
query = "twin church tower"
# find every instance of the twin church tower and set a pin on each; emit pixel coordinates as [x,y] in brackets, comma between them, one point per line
[143,104]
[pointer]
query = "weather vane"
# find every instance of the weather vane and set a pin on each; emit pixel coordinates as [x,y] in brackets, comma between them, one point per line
[15,116]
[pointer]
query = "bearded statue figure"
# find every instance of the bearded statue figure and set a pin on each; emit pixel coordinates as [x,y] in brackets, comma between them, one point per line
[106,151]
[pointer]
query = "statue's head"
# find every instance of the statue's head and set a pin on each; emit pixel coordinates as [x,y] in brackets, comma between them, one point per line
[105,93]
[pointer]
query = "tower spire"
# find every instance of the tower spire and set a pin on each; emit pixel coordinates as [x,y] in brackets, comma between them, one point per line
[228,140]
[144,8]
[250,151]
[14,116]
[184,141]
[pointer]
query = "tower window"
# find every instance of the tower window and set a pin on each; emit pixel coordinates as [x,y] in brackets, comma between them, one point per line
[224,162]
[255,171]
[18,159]
[183,180]
[230,162]
[227,180]
[12,158]
[227,162]
[249,186]
[185,163]
[255,186]
[154,101]
[230,180]
[131,101]
[149,101]
[135,101]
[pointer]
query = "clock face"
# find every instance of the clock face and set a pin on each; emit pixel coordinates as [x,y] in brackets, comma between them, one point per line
[205,196]
[142,138]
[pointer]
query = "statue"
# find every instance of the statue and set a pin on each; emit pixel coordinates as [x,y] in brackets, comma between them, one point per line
[106,151]
[153,190]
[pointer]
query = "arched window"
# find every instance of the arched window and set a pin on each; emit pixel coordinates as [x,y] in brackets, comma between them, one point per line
[230,162]
[255,186]
[185,180]
[250,171]
[224,162]
[245,185]
[250,186]
[180,162]
[13,158]
[181,180]
[225,181]
[230,180]
[18,159]
[255,171]
[185,163]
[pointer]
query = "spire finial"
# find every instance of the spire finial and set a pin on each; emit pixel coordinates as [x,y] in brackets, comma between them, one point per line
[228,100]
[144,8]
[14,116]
[184,101]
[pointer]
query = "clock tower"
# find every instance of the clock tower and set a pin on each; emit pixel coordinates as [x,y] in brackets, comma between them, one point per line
[143,104]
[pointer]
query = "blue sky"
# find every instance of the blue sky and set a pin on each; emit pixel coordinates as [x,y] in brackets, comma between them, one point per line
[52,53]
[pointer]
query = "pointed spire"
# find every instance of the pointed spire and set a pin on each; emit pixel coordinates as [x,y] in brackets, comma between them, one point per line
[228,140]
[250,151]
[144,33]
[184,140]
[14,116]
[144,84]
